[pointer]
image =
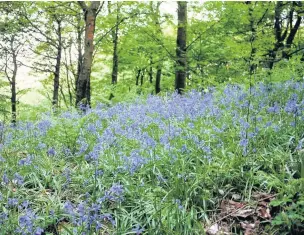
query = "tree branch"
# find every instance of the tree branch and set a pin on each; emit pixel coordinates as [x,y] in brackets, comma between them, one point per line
[82,5]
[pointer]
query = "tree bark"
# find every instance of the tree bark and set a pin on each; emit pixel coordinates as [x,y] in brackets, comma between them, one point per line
[13,84]
[181,48]
[115,44]
[160,63]
[252,64]
[83,89]
[280,36]
[57,68]
[68,79]
[151,70]
[158,78]
[79,49]
[137,77]
[142,78]
[293,32]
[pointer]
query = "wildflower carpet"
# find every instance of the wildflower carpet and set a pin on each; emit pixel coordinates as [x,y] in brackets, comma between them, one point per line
[227,160]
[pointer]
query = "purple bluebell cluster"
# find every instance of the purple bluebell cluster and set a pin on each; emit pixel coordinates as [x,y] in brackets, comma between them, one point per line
[91,216]
[150,142]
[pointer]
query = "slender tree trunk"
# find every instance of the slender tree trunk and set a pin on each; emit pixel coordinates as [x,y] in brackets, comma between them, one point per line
[181,48]
[142,77]
[158,78]
[83,89]
[151,70]
[137,77]
[252,64]
[63,96]
[68,78]
[13,87]
[278,34]
[57,68]
[79,49]
[159,33]
[115,44]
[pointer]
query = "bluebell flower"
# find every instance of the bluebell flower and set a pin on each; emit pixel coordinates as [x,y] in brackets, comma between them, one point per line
[12,202]
[244,124]
[26,161]
[244,142]
[39,231]
[44,126]
[98,173]
[27,223]
[274,109]
[83,145]
[291,105]
[18,179]
[68,208]
[51,152]
[5,179]
[3,217]
[41,146]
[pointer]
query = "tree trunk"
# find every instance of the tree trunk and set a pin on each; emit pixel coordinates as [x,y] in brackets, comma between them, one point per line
[83,89]
[68,78]
[158,78]
[181,48]
[151,70]
[252,64]
[137,77]
[142,77]
[79,49]
[13,87]
[57,68]
[115,44]
[280,36]
[277,32]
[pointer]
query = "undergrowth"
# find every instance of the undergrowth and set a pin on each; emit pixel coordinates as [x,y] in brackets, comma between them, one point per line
[160,165]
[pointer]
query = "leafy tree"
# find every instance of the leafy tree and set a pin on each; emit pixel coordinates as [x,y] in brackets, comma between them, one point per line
[12,40]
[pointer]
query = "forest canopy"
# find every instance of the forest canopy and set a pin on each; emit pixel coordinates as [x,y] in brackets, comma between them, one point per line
[90,52]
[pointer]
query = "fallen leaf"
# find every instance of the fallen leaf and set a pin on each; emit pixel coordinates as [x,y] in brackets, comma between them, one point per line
[244,213]
[248,227]
[264,212]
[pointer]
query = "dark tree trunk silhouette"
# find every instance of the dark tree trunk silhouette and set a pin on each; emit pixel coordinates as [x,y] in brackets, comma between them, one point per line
[142,77]
[13,84]
[137,77]
[83,89]
[158,78]
[57,68]
[151,70]
[181,48]
[115,44]
[281,36]
[156,17]
[10,69]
